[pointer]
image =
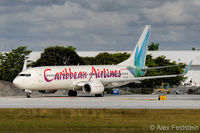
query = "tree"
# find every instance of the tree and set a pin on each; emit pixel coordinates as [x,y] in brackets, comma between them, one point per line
[56,56]
[12,63]
[1,67]
[71,48]
[106,58]
[153,47]
[89,60]
[1,58]
[193,48]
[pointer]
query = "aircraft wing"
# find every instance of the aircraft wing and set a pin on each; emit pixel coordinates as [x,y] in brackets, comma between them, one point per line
[149,77]
[140,78]
[160,67]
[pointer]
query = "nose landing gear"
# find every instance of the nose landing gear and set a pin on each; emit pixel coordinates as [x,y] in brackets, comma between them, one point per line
[28,93]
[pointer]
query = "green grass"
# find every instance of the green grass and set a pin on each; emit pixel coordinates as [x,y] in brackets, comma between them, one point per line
[95,120]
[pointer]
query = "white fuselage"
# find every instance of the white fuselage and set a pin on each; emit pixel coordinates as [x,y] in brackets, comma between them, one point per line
[67,77]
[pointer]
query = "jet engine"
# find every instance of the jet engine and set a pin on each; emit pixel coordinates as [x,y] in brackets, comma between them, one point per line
[47,91]
[93,87]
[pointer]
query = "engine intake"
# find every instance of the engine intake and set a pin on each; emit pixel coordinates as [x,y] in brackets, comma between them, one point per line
[94,87]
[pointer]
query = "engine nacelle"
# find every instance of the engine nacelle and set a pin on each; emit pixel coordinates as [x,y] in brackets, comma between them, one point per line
[47,91]
[94,87]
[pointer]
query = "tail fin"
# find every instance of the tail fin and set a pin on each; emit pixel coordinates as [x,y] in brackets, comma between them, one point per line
[138,57]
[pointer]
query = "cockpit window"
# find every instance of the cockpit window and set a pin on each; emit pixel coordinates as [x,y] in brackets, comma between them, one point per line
[27,75]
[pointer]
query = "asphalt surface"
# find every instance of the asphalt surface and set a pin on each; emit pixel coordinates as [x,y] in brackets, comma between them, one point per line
[115,102]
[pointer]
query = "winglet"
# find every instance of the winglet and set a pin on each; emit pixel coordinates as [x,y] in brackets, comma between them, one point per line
[25,64]
[187,69]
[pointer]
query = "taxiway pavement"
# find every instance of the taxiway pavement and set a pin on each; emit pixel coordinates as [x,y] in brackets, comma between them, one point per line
[115,102]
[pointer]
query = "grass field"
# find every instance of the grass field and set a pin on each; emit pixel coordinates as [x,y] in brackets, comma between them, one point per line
[97,120]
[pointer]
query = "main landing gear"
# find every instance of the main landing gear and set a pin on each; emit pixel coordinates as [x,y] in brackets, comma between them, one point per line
[72,93]
[28,93]
[99,95]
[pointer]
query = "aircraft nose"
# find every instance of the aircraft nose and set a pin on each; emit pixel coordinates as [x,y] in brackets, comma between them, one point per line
[17,83]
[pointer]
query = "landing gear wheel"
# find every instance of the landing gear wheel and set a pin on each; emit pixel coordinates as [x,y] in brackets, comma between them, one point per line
[28,95]
[99,95]
[72,93]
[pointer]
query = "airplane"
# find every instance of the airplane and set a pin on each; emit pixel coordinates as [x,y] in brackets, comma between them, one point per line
[91,79]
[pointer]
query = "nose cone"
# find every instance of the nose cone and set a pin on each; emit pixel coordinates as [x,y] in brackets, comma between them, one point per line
[17,83]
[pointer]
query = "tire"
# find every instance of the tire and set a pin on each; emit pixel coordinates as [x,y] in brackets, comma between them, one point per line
[72,93]
[96,95]
[28,95]
[100,95]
